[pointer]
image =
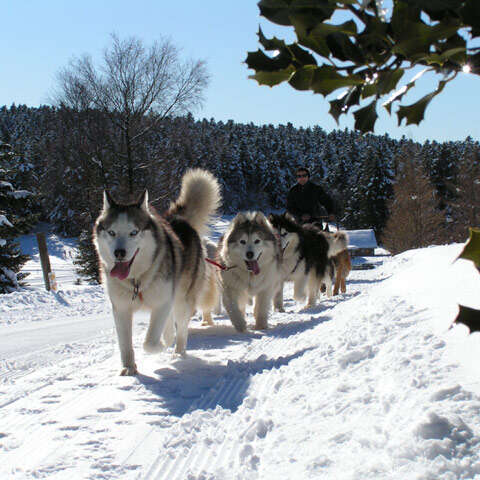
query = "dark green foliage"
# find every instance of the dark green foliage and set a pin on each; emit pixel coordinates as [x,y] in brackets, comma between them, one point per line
[366,48]
[13,220]
[86,261]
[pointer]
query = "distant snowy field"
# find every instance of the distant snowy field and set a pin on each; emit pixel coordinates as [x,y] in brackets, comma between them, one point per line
[368,385]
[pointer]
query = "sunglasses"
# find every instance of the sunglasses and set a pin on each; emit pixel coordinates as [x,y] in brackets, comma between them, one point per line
[302,175]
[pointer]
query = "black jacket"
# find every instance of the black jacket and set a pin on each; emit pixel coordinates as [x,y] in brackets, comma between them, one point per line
[308,199]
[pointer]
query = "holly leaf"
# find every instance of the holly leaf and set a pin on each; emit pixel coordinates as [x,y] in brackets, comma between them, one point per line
[366,117]
[384,84]
[270,43]
[326,79]
[344,49]
[343,103]
[258,61]
[471,16]
[283,12]
[468,317]
[396,96]
[471,251]
[302,78]
[273,78]
[415,113]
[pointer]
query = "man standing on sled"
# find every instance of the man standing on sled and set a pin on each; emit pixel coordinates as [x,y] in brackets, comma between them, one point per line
[306,199]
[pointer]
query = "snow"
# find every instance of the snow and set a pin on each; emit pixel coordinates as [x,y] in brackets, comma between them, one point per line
[4,221]
[371,384]
[17,194]
[362,239]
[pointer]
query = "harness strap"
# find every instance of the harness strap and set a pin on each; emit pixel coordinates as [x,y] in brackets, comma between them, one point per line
[296,265]
[219,265]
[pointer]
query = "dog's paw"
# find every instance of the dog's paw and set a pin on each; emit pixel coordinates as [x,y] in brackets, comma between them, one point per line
[129,371]
[179,354]
[299,297]
[153,347]
[261,324]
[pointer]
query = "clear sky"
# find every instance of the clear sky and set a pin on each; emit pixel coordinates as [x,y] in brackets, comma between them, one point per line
[39,37]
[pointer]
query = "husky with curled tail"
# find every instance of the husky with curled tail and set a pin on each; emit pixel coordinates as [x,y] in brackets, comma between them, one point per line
[158,264]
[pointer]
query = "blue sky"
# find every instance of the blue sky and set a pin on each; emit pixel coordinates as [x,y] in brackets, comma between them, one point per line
[39,37]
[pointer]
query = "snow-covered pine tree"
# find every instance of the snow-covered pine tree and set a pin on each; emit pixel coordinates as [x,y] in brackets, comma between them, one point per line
[86,259]
[12,222]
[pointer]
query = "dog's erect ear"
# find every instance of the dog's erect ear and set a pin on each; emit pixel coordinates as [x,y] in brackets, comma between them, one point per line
[271,218]
[289,216]
[260,217]
[240,217]
[108,201]
[142,201]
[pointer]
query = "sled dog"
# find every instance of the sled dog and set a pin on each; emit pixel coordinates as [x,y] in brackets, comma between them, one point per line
[211,253]
[158,264]
[250,253]
[307,257]
[343,266]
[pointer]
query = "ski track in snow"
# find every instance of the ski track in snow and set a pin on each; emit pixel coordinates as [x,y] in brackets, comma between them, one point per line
[369,384]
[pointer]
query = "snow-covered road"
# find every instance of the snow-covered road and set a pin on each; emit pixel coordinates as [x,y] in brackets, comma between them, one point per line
[370,384]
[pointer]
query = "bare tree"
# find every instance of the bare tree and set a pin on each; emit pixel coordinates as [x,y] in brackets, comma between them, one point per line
[414,220]
[136,87]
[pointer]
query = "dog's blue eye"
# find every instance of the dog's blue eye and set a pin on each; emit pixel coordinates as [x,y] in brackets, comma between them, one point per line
[133,233]
[243,242]
[257,241]
[111,233]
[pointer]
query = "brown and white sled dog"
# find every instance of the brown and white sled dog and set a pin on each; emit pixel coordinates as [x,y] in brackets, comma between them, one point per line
[307,258]
[251,254]
[158,264]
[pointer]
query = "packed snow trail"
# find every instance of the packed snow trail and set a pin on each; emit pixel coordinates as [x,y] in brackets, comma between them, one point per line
[370,384]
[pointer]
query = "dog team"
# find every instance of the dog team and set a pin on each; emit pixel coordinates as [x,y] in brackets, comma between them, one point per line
[165,265]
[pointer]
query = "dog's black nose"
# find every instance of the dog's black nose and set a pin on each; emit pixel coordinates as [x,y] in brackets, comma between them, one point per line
[249,255]
[120,253]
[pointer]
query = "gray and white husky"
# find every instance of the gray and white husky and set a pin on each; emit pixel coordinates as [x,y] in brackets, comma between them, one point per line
[158,264]
[307,257]
[251,254]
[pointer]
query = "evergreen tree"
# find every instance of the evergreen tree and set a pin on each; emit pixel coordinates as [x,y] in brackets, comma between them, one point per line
[86,259]
[12,222]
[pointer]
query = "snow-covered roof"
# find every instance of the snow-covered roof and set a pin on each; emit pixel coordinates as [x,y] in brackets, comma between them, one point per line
[362,239]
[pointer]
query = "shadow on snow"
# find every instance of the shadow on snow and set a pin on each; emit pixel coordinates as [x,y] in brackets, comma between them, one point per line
[191,383]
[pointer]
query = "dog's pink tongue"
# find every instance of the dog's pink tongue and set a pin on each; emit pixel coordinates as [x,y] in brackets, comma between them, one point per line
[252,266]
[120,270]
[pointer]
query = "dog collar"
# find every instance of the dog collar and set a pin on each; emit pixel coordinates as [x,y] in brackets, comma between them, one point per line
[136,291]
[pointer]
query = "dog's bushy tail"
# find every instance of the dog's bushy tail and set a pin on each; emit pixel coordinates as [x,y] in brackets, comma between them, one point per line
[338,242]
[199,199]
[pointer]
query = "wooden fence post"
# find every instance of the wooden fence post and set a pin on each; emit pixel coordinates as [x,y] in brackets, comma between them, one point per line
[42,249]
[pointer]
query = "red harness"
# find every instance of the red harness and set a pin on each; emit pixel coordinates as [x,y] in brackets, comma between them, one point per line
[219,265]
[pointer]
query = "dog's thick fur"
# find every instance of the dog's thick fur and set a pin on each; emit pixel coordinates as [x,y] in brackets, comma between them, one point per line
[251,253]
[211,253]
[307,257]
[158,264]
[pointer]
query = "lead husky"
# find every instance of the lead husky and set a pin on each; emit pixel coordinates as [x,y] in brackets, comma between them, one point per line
[251,254]
[157,264]
[307,257]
